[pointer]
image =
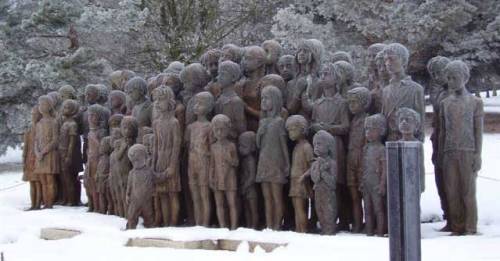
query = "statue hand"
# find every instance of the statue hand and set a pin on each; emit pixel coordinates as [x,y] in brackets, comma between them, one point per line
[476,163]
[301,85]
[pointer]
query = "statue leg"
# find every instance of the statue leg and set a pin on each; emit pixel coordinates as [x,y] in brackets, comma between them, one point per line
[157,209]
[379,213]
[38,194]
[369,215]
[133,212]
[174,207]
[147,214]
[32,195]
[220,207]
[231,198]
[51,190]
[468,182]
[195,195]
[163,198]
[206,205]
[277,193]
[300,209]
[453,195]
[268,203]
[357,210]
[254,212]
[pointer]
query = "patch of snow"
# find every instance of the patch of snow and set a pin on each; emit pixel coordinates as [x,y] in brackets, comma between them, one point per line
[12,155]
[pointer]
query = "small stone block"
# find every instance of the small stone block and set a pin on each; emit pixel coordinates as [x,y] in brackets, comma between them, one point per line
[58,233]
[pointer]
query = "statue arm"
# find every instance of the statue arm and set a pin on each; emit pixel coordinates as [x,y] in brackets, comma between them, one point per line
[343,127]
[478,133]
[306,102]
[383,174]
[284,148]
[420,108]
[176,148]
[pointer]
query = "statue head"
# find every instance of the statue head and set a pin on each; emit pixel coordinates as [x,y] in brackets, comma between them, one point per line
[408,121]
[247,143]
[372,51]
[98,116]
[91,94]
[173,74]
[221,125]
[194,77]
[286,67]
[324,144]
[70,108]
[137,154]
[117,99]
[375,127]
[359,99]
[274,80]
[164,99]
[457,75]
[271,101]
[203,103]
[341,56]
[116,136]
[210,60]
[56,99]
[231,52]
[297,127]
[136,88]
[435,68]
[229,73]
[273,51]
[103,94]
[254,58]
[67,92]
[343,74]
[147,141]
[129,127]
[115,120]
[119,78]
[45,105]
[396,58]
[382,72]
[310,52]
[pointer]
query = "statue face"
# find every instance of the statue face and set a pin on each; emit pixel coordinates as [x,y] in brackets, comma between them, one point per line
[355,105]
[93,119]
[455,81]
[212,67]
[272,54]
[224,78]
[35,116]
[372,133]
[227,55]
[250,62]
[161,104]
[44,106]
[116,102]
[67,109]
[304,56]
[201,106]
[139,160]
[382,71]
[128,130]
[135,94]
[244,148]
[66,95]
[220,131]
[266,103]
[320,146]
[91,96]
[295,132]
[287,69]
[393,63]
[407,124]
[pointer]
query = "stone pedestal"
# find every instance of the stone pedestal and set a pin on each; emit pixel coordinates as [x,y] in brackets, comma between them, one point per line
[52,233]
[403,200]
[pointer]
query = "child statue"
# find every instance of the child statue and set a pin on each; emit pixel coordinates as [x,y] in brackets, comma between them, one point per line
[373,183]
[29,161]
[273,53]
[136,89]
[98,117]
[119,162]
[438,91]
[70,153]
[247,149]
[223,166]
[302,157]
[47,164]
[166,152]
[210,60]
[402,91]
[359,102]
[375,84]
[253,66]
[274,162]
[139,188]
[461,136]
[119,78]
[287,70]
[228,102]
[198,139]
[323,173]
[231,52]
[102,177]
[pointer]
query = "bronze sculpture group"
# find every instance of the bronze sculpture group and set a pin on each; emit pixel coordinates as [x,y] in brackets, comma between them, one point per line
[251,138]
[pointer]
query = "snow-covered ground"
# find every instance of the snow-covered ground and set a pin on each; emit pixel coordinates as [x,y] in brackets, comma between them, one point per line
[104,238]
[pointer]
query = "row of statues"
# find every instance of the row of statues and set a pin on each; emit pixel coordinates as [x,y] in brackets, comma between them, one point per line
[252,136]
